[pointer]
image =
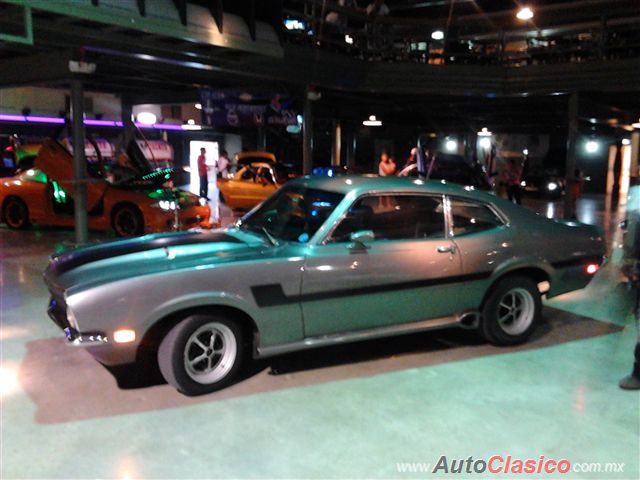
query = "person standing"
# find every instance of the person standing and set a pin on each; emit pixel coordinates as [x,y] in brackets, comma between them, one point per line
[631,269]
[511,180]
[203,169]
[387,165]
[223,164]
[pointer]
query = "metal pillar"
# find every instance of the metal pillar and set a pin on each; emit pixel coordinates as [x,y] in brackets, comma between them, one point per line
[572,137]
[127,120]
[352,145]
[307,135]
[336,144]
[262,139]
[635,154]
[79,163]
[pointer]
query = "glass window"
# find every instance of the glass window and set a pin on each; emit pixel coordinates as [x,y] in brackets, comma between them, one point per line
[292,214]
[248,174]
[469,217]
[393,217]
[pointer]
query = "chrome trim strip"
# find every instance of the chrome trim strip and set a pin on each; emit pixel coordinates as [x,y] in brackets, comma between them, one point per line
[89,339]
[357,336]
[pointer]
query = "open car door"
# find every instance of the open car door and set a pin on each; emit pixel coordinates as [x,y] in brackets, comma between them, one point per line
[57,163]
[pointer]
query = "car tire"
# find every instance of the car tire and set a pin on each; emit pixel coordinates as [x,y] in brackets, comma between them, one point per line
[127,221]
[511,311]
[15,213]
[201,354]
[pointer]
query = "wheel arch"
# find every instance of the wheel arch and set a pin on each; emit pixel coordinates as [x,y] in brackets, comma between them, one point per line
[151,339]
[536,274]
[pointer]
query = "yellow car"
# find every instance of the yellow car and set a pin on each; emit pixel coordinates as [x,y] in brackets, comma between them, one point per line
[249,185]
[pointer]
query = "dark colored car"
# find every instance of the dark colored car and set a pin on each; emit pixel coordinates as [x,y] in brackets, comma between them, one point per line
[452,168]
[544,183]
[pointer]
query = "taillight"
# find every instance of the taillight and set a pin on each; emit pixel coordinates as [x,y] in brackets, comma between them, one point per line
[591,268]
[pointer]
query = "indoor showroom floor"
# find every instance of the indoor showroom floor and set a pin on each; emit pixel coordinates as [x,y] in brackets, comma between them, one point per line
[383,409]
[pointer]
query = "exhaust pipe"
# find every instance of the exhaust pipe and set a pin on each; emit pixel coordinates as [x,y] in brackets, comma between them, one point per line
[469,320]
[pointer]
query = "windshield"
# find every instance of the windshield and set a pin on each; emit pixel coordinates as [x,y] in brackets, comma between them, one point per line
[292,214]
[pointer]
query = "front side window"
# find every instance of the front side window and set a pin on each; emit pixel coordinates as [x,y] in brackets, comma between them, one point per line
[470,217]
[393,217]
[292,214]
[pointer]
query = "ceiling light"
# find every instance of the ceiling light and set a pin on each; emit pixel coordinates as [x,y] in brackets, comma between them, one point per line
[525,13]
[451,145]
[198,106]
[637,124]
[191,121]
[591,146]
[372,122]
[525,151]
[147,118]
[484,132]
[348,39]
[626,141]
[189,126]
[485,142]
[437,35]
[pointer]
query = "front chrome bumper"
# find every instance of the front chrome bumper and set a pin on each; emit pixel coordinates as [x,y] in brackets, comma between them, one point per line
[87,339]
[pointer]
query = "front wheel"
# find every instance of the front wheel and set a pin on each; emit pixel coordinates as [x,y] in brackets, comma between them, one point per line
[511,312]
[15,213]
[127,221]
[201,354]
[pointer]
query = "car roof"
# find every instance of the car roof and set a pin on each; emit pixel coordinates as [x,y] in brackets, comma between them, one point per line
[365,183]
[256,153]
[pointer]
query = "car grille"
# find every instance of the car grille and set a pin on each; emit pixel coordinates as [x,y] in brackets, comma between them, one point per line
[58,312]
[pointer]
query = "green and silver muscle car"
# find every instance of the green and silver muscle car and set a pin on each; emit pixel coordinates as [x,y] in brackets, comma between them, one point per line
[323,260]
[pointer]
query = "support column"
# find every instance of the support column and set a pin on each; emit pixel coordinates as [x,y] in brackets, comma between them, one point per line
[79,163]
[307,135]
[336,144]
[352,145]
[262,138]
[572,138]
[635,153]
[129,127]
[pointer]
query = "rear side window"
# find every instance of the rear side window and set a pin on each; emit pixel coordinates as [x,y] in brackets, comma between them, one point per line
[393,217]
[469,217]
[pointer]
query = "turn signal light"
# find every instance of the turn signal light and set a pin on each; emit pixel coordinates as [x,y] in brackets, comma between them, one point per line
[592,268]
[124,335]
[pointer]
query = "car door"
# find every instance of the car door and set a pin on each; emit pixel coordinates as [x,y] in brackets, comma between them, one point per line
[57,163]
[404,274]
[483,241]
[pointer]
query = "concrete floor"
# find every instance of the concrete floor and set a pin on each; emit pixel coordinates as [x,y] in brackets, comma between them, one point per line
[340,412]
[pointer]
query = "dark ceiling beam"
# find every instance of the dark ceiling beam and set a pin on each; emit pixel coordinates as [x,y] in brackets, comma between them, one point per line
[95,3]
[28,69]
[215,7]
[181,6]
[142,7]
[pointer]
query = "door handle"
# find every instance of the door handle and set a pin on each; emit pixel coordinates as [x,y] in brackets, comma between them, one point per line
[446,249]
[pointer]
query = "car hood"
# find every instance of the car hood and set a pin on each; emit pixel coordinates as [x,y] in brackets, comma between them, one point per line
[90,266]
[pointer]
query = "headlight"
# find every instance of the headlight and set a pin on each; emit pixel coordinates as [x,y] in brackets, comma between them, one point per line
[202,201]
[166,205]
[551,186]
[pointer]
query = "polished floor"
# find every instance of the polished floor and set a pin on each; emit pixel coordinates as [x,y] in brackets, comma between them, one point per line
[371,410]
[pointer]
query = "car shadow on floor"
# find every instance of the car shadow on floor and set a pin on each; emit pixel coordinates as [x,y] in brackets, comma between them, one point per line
[67,384]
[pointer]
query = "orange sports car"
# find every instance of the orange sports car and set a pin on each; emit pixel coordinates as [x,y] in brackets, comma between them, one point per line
[44,195]
[249,186]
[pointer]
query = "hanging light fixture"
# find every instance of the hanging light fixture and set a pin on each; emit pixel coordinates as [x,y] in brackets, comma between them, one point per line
[525,13]
[372,122]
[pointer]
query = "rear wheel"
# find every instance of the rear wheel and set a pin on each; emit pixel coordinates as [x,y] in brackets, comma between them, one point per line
[15,213]
[511,312]
[127,221]
[201,354]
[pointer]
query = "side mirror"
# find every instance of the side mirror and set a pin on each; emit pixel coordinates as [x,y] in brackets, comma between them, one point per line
[358,239]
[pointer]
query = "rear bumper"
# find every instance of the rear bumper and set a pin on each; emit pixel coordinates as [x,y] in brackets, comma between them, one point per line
[572,275]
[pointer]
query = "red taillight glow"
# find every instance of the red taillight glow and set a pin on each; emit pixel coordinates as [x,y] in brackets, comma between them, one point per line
[592,268]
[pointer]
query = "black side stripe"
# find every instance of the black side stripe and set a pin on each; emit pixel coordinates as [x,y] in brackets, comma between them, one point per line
[272,295]
[578,261]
